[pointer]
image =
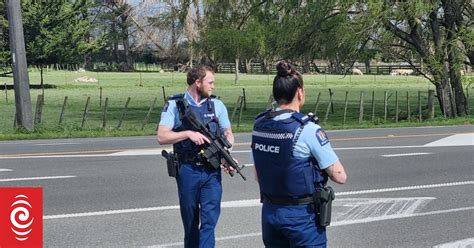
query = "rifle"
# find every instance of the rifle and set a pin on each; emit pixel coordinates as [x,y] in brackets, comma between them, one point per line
[217,148]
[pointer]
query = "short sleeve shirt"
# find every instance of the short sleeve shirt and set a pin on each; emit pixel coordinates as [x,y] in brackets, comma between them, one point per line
[313,142]
[170,115]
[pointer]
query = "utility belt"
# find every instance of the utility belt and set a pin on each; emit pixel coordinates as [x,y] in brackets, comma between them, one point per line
[286,201]
[184,158]
[321,200]
[174,160]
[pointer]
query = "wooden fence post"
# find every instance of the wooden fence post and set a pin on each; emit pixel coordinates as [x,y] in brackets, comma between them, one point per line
[373,106]
[385,106]
[467,99]
[123,113]
[14,120]
[361,107]
[396,106]
[164,94]
[345,109]
[145,121]
[420,115]
[245,98]
[104,113]
[326,116]
[332,103]
[84,115]
[431,104]
[408,107]
[63,109]
[39,109]
[317,104]
[6,93]
[100,96]
[240,110]
[237,104]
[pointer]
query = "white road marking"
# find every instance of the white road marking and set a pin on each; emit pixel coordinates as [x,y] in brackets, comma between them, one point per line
[5,170]
[464,243]
[55,144]
[342,223]
[465,139]
[139,152]
[248,202]
[34,178]
[367,208]
[413,187]
[406,154]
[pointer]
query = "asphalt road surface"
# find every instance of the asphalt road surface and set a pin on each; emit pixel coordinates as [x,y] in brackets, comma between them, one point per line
[407,187]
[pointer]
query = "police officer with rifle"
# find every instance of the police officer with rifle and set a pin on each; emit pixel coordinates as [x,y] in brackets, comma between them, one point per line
[293,160]
[198,126]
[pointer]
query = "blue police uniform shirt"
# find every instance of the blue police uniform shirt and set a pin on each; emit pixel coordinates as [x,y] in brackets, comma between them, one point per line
[313,142]
[170,115]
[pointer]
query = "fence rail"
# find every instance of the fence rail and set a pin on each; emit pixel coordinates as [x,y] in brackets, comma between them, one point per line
[256,68]
[350,108]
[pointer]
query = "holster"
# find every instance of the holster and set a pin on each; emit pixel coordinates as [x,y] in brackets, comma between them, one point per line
[322,198]
[171,162]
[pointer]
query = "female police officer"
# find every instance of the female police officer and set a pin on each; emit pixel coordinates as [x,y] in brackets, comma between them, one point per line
[292,157]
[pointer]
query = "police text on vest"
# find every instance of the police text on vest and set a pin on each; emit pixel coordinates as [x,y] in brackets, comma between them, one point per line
[266,148]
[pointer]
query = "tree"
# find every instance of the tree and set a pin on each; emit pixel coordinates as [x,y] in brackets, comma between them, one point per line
[113,22]
[56,33]
[4,49]
[430,32]
[232,31]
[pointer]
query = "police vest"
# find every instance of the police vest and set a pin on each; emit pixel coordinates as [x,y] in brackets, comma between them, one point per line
[280,174]
[186,149]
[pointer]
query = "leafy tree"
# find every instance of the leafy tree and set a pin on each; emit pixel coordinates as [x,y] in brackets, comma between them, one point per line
[232,31]
[430,32]
[113,22]
[56,33]
[4,47]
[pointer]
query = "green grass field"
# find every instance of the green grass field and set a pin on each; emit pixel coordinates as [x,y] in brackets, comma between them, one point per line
[143,88]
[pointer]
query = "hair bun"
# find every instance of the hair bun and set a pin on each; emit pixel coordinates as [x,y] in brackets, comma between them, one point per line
[284,69]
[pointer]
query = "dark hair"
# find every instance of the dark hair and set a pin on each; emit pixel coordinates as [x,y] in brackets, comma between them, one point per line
[198,72]
[286,82]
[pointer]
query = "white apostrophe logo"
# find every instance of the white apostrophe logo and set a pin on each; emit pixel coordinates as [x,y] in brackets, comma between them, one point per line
[20,217]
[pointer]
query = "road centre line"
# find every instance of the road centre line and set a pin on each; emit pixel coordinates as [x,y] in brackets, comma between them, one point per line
[55,144]
[388,136]
[29,155]
[406,154]
[5,170]
[340,223]
[251,202]
[103,153]
[34,178]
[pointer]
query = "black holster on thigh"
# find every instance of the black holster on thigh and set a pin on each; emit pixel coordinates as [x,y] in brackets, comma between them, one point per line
[322,199]
[171,162]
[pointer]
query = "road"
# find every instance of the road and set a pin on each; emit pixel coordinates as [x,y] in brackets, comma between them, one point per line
[407,187]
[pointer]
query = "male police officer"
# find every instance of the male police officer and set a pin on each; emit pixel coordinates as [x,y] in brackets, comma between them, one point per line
[293,158]
[199,185]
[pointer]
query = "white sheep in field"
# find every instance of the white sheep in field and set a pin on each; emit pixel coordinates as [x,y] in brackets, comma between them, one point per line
[85,79]
[356,71]
[402,72]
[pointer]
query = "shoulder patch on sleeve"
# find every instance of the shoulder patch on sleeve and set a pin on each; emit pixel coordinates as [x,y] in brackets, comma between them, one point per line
[322,137]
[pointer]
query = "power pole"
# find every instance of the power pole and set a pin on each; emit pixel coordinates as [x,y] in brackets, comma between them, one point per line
[21,81]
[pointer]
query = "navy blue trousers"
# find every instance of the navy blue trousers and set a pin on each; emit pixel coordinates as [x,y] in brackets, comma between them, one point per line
[200,193]
[291,226]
